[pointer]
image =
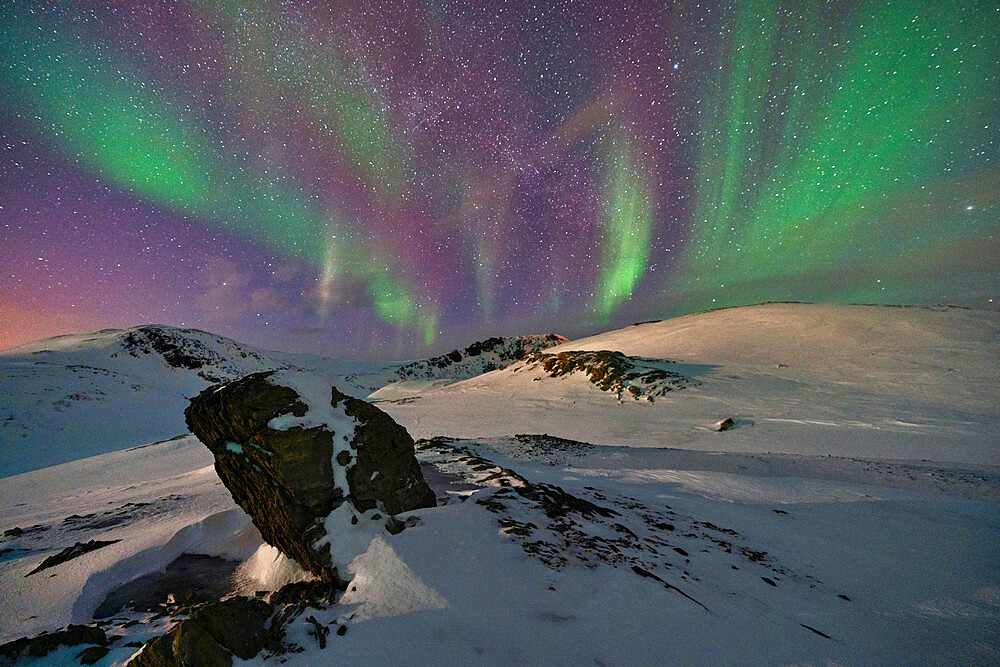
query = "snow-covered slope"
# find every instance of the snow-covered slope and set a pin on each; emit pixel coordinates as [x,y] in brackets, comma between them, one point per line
[589,555]
[868,381]
[74,396]
[414,377]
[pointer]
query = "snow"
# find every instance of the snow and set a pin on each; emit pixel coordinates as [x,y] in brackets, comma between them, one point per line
[741,488]
[407,388]
[75,396]
[267,570]
[856,381]
[382,585]
[857,494]
[177,481]
[349,532]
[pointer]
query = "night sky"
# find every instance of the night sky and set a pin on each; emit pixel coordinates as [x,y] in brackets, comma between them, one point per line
[391,179]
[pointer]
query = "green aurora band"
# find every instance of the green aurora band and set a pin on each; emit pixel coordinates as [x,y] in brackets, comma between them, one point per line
[826,147]
[92,104]
[627,220]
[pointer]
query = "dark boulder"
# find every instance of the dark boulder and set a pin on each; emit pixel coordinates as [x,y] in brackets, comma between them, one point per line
[211,636]
[725,424]
[292,449]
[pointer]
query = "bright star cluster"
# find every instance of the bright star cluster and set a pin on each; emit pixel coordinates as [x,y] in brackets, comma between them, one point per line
[391,178]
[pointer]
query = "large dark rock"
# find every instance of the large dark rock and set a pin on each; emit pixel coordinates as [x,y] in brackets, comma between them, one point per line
[290,460]
[211,636]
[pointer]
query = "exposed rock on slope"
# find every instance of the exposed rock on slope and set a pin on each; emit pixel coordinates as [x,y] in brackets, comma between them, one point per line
[292,449]
[45,643]
[481,357]
[615,372]
[190,349]
[69,553]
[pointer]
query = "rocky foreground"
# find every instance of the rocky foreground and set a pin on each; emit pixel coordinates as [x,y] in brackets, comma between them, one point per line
[319,473]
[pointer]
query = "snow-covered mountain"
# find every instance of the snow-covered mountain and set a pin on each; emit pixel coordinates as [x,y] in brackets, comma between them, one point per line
[848,516]
[410,378]
[79,395]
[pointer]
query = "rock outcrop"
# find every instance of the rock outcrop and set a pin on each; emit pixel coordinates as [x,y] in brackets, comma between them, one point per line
[640,377]
[69,553]
[45,643]
[214,358]
[211,636]
[305,460]
[481,357]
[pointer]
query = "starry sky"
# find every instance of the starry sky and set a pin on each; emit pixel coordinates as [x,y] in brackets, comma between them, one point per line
[390,179]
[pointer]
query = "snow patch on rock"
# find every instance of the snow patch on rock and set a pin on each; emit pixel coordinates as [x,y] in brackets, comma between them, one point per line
[315,392]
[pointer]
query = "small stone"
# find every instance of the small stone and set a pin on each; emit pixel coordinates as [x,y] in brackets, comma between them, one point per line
[725,424]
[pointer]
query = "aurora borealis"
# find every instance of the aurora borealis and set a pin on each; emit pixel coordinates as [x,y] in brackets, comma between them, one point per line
[387,179]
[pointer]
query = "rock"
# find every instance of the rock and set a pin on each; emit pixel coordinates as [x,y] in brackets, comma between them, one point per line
[291,449]
[44,643]
[725,424]
[89,656]
[481,357]
[13,532]
[641,377]
[211,636]
[319,631]
[69,553]
[237,624]
[313,593]
[157,652]
[193,645]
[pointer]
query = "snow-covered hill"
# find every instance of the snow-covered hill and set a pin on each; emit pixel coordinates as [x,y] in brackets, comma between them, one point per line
[615,556]
[866,381]
[74,396]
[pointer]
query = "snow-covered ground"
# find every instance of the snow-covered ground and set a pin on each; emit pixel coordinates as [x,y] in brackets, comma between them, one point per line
[73,396]
[850,516]
[863,381]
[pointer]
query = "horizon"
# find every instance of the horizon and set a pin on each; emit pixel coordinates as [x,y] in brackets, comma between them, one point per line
[441,351]
[390,181]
